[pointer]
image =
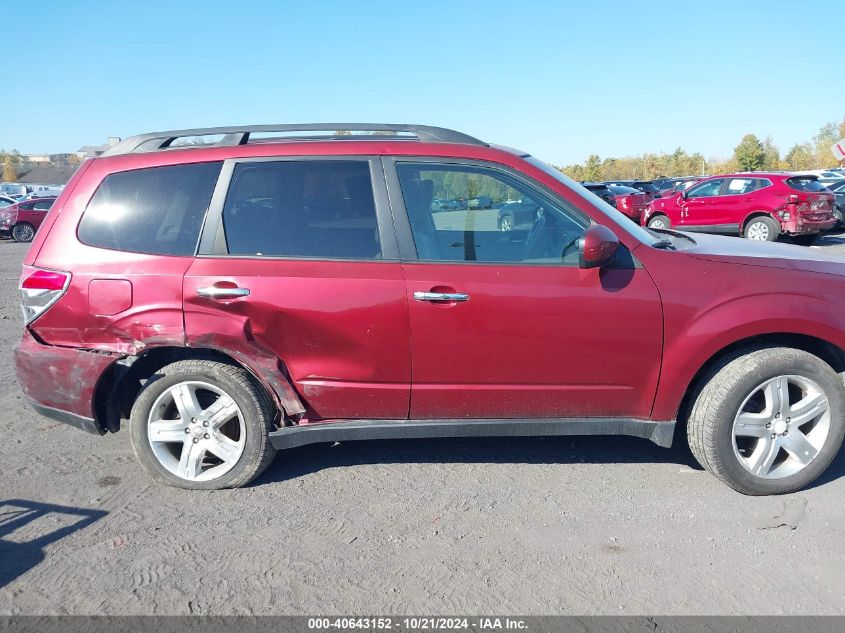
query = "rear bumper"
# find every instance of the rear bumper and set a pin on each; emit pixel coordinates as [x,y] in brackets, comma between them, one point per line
[803,226]
[82,423]
[60,382]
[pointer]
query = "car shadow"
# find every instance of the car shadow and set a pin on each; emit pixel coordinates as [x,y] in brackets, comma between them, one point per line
[296,462]
[47,523]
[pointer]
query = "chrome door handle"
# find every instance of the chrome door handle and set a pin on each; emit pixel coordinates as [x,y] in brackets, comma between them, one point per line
[214,292]
[441,296]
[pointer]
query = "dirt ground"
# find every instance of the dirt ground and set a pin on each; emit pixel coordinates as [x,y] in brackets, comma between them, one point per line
[495,526]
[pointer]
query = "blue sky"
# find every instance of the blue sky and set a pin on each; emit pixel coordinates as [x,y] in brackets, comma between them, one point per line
[558,79]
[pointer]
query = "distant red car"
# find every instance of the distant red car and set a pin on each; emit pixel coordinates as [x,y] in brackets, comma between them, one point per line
[632,202]
[758,206]
[22,219]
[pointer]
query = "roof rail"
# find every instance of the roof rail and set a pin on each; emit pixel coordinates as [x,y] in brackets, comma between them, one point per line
[239,135]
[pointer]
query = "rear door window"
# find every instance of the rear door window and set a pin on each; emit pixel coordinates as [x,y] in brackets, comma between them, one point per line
[157,210]
[322,209]
[44,205]
[737,186]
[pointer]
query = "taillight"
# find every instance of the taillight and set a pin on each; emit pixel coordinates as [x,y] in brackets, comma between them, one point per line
[41,288]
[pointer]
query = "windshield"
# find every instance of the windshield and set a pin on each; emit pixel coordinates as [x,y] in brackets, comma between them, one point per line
[643,235]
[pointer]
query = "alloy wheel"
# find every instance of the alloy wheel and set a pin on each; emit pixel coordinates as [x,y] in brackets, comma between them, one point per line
[23,233]
[196,431]
[757,231]
[781,426]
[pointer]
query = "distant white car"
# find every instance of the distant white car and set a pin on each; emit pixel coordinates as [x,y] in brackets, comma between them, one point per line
[825,176]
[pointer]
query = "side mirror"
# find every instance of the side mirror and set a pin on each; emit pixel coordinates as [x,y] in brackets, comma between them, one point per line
[684,193]
[596,247]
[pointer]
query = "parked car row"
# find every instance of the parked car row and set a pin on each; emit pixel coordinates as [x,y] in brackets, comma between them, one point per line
[24,191]
[757,206]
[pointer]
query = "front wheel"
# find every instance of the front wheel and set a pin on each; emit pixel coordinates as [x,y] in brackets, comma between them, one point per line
[203,425]
[660,222]
[768,421]
[762,229]
[23,232]
[506,223]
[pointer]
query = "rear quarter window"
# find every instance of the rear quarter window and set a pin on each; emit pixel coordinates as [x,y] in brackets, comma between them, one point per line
[805,184]
[158,210]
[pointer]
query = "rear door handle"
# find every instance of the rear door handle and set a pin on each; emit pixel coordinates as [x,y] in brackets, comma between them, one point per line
[441,296]
[217,292]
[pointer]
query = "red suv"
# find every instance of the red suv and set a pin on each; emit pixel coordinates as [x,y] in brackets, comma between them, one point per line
[758,206]
[22,219]
[280,286]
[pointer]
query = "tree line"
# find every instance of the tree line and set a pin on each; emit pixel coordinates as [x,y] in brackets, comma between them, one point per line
[751,154]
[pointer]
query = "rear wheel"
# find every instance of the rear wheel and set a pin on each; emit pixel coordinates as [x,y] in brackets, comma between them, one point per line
[768,421]
[762,228]
[840,219]
[203,425]
[23,232]
[659,222]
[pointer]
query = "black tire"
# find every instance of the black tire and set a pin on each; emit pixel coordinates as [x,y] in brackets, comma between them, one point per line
[657,219]
[255,405]
[804,240]
[23,232]
[840,218]
[773,228]
[507,223]
[710,423]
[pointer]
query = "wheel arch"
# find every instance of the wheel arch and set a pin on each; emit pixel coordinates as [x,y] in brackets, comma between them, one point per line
[829,352]
[756,214]
[121,383]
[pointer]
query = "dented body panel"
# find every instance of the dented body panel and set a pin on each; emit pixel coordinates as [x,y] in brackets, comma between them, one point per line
[341,328]
[60,378]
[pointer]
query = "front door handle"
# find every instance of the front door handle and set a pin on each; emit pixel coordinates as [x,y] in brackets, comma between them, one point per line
[441,296]
[218,292]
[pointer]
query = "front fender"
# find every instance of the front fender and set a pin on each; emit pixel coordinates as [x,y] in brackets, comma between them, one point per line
[691,343]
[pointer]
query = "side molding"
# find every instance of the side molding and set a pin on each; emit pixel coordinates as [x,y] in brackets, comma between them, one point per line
[351,430]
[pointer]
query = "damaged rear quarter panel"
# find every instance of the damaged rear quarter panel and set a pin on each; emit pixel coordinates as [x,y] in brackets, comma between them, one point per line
[59,377]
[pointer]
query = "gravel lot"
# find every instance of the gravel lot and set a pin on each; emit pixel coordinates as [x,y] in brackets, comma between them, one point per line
[533,526]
